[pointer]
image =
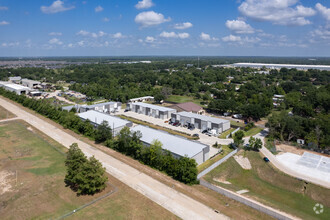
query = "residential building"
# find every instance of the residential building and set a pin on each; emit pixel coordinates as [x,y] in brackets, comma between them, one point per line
[155,111]
[96,118]
[177,145]
[201,122]
[189,107]
[143,99]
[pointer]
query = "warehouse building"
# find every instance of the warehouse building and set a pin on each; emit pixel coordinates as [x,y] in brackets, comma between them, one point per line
[30,83]
[15,79]
[96,118]
[201,122]
[106,107]
[178,146]
[143,99]
[155,111]
[18,89]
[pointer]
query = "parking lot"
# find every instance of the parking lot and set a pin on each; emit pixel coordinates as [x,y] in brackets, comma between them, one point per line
[203,138]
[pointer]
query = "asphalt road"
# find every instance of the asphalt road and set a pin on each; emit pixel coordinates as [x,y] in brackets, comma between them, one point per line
[172,200]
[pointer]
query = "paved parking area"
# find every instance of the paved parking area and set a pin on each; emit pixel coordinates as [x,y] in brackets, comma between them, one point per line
[204,139]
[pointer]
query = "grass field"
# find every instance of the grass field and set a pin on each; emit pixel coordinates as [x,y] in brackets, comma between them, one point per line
[224,134]
[4,114]
[272,187]
[40,191]
[182,99]
[238,124]
[252,131]
[225,150]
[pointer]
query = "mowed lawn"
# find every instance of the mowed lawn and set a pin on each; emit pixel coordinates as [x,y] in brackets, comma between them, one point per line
[4,114]
[182,99]
[272,187]
[40,191]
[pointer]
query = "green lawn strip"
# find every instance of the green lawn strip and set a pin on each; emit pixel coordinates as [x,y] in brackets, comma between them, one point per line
[182,99]
[225,150]
[237,124]
[272,187]
[252,131]
[224,134]
[136,121]
[5,114]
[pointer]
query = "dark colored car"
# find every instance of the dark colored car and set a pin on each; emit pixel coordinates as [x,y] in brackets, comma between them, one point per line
[204,132]
[175,123]
[266,159]
[195,135]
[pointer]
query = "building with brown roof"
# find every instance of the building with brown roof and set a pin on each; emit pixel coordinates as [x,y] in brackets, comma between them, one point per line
[189,107]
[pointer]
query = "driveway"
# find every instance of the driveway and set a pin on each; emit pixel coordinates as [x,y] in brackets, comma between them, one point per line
[172,200]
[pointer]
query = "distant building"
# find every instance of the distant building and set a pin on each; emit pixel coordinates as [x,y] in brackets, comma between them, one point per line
[177,145]
[96,118]
[201,122]
[155,111]
[279,66]
[18,89]
[277,99]
[106,107]
[189,65]
[30,83]
[189,107]
[143,99]
[15,79]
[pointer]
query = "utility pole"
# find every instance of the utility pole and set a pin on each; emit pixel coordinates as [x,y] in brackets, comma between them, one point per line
[198,61]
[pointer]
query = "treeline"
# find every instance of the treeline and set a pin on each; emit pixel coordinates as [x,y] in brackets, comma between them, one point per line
[183,169]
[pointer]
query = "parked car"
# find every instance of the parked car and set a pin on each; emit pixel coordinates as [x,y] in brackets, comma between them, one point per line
[204,131]
[165,121]
[178,124]
[237,116]
[175,123]
[226,114]
[195,135]
[126,110]
[266,159]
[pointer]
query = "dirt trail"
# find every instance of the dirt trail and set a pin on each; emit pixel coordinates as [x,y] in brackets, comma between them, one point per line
[172,200]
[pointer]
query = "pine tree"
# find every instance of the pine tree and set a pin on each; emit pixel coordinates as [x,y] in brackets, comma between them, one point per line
[74,161]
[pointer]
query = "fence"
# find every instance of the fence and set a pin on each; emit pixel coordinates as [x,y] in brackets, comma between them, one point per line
[253,204]
[233,132]
[207,170]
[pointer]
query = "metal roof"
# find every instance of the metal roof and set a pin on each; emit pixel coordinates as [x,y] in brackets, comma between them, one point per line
[203,117]
[289,66]
[99,104]
[144,97]
[175,144]
[14,86]
[98,117]
[157,107]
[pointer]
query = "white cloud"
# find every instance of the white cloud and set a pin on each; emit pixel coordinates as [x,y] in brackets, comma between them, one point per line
[70,45]
[321,33]
[12,44]
[57,6]
[239,27]
[150,18]
[144,4]
[3,8]
[206,37]
[325,12]
[2,23]
[174,35]
[182,26]
[231,38]
[55,34]
[150,39]
[83,33]
[106,19]
[91,34]
[98,9]
[118,35]
[280,12]
[55,41]
[81,43]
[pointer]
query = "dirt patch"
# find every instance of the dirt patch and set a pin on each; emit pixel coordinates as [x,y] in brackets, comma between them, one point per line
[243,162]
[221,180]
[30,128]
[285,148]
[6,179]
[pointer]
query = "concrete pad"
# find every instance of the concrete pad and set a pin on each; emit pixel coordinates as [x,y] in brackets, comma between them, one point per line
[242,191]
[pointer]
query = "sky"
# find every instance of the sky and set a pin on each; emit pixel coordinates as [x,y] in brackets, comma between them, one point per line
[164,27]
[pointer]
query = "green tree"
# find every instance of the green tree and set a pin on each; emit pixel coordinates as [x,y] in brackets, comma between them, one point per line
[74,161]
[91,179]
[255,143]
[238,138]
[103,132]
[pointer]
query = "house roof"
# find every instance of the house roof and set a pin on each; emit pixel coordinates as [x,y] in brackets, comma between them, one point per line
[175,144]
[189,107]
[98,117]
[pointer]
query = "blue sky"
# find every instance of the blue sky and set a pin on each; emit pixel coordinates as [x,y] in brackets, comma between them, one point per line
[164,27]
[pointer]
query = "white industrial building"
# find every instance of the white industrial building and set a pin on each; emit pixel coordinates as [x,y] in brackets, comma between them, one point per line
[15,79]
[18,89]
[178,146]
[278,66]
[30,83]
[155,111]
[143,99]
[201,122]
[96,118]
[106,107]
